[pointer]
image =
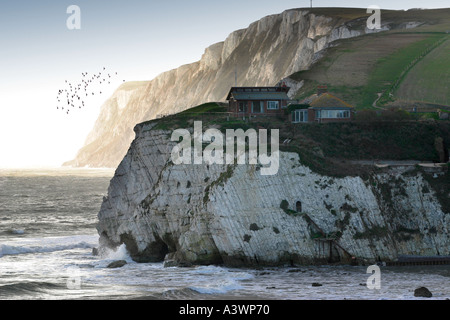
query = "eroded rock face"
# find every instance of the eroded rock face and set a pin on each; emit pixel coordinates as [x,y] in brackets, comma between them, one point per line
[212,214]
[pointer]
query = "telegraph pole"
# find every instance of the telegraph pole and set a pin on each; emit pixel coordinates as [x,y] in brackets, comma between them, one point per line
[311,4]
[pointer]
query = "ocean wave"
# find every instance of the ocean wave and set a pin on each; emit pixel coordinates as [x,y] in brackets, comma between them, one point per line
[108,255]
[225,280]
[57,172]
[14,232]
[205,270]
[219,287]
[14,250]
[46,245]
[232,273]
[28,287]
[179,294]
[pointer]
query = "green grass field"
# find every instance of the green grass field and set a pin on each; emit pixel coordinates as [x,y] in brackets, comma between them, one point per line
[325,147]
[389,69]
[429,80]
[360,69]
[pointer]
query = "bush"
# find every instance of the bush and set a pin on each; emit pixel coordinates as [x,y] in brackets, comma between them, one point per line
[366,115]
[394,115]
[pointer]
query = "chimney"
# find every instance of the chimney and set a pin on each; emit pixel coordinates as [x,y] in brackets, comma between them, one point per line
[321,90]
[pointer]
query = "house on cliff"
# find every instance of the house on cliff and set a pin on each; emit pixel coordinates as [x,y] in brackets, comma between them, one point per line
[252,101]
[274,101]
[321,107]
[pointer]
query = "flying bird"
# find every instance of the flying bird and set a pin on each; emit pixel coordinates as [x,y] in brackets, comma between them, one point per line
[73,90]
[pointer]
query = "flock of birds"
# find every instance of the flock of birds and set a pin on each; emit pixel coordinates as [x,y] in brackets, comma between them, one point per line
[75,95]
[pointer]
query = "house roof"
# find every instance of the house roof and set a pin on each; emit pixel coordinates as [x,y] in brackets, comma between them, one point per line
[326,100]
[260,96]
[263,93]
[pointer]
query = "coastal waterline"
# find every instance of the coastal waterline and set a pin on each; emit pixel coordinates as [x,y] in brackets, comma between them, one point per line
[47,233]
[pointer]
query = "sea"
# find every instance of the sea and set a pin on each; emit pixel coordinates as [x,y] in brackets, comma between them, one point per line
[48,231]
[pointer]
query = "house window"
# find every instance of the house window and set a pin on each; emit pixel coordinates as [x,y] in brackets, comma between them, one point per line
[257,107]
[300,116]
[333,114]
[243,107]
[318,114]
[273,105]
[345,114]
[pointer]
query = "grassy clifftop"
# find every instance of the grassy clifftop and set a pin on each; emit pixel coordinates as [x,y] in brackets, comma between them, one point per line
[400,67]
[327,147]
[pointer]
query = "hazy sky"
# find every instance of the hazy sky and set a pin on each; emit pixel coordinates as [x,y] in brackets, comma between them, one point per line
[137,38]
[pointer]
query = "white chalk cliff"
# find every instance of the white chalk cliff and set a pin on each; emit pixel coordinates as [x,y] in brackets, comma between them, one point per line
[266,52]
[211,214]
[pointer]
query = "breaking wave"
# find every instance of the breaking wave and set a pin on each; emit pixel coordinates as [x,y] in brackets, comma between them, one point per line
[45,245]
[225,280]
[27,288]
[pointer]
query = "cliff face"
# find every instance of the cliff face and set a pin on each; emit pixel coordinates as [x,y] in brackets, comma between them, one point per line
[267,51]
[207,214]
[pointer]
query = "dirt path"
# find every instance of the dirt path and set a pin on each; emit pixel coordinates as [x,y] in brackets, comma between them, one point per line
[374,104]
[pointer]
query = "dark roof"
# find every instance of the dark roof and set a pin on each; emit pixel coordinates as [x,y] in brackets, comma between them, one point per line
[326,100]
[297,106]
[263,93]
[260,96]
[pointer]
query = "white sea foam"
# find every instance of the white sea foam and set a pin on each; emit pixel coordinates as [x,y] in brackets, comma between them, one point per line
[219,287]
[12,250]
[218,280]
[108,255]
[209,270]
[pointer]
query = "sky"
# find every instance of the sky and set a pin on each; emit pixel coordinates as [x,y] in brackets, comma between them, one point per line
[138,39]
